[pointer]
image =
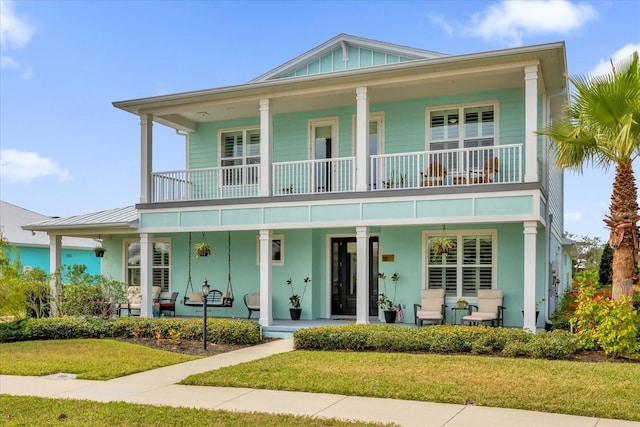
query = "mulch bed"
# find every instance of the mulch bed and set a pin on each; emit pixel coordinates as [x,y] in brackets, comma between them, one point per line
[194,348]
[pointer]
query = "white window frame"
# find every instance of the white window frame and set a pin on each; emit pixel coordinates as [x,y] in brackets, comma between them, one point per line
[461,108]
[245,130]
[126,266]
[458,234]
[275,260]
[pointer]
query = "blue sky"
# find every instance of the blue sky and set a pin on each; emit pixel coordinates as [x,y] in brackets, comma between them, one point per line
[65,150]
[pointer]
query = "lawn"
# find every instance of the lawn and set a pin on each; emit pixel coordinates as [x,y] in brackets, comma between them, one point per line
[38,411]
[605,389]
[90,359]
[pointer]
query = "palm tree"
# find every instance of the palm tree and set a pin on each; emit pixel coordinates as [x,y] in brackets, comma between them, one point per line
[602,128]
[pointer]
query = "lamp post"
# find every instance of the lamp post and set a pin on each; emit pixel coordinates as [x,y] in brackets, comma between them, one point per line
[205,293]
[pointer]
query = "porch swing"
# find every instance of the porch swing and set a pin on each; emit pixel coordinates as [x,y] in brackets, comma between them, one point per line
[215,298]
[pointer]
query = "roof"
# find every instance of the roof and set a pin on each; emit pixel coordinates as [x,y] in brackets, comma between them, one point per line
[342,43]
[12,220]
[117,218]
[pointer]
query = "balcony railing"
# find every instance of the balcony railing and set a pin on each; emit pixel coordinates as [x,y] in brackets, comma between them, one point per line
[486,165]
[314,176]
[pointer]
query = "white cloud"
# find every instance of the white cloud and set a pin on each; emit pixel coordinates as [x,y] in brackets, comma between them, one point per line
[604,66]
[15,34]
[25,166]
[508,22]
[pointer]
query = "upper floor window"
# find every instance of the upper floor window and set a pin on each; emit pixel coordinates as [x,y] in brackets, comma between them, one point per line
[240,156]
[161,264]
[462,127]
[467,267]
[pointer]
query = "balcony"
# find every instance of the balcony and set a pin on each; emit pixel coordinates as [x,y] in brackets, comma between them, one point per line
[443,168]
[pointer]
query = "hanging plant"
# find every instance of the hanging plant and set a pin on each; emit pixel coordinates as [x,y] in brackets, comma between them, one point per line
[99,251]
[442,245]
[202,249]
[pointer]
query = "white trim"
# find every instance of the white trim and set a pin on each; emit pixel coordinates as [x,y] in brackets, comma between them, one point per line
[378,117]
[461,106]
[316,123]
[274,237]
[125,263]
[457,233]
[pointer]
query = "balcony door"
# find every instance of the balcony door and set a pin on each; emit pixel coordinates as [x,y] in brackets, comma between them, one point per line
[324,147]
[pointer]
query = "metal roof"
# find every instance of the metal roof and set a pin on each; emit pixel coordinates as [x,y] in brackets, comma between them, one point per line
[111,218]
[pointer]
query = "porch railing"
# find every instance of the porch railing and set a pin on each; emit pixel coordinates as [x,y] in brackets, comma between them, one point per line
[314,176]
[486,165]
[211,183]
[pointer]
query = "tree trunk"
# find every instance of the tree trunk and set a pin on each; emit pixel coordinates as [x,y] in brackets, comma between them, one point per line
[623,223]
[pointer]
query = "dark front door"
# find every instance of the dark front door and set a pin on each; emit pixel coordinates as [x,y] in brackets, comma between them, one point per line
[343,276]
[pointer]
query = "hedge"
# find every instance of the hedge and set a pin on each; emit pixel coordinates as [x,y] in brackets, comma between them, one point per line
[219,331]
[438,339]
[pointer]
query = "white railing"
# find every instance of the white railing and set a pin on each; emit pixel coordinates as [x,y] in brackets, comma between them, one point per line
[485,165]
[212,183]
[314,176]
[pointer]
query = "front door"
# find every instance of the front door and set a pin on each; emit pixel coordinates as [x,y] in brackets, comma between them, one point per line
[344,276]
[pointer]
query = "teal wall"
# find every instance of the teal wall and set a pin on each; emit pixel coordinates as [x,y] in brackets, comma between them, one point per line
[305,254]
[404,126]
[38,257]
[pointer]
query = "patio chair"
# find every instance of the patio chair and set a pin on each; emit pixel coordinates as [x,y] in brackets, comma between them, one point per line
[487,173]
[252,302]
[435,177]
[133,299]
[431,307]
[488,309]
[168,302]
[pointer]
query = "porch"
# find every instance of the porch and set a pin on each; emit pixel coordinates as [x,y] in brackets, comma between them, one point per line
[442,168]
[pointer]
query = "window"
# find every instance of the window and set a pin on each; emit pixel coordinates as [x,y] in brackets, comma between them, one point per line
[161,264]
[277,250]
[464,269]
[239,157]
[463,127]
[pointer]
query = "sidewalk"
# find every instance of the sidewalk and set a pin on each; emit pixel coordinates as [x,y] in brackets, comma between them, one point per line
[158,387]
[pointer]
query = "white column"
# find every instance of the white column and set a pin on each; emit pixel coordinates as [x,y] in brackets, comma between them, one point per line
[531,123]
[146,274]
[362,139]
[266,144]
[530,237]
[362,273]
[266,311]
[55,262]
[146,150]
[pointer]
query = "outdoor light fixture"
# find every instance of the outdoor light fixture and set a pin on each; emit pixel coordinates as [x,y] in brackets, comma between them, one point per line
[205,293]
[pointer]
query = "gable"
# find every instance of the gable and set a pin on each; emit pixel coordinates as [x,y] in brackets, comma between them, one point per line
[346,52]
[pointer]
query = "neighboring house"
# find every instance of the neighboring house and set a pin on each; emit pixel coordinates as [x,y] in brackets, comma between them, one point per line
[33,246]
[350,160]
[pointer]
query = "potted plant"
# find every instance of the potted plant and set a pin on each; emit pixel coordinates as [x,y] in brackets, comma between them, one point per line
[461,304]
[442,245]
[202,249]
[295,300]
[384,302]
[537,308]
[99,251]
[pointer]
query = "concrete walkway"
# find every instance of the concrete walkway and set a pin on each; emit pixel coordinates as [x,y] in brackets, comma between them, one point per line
[158,387]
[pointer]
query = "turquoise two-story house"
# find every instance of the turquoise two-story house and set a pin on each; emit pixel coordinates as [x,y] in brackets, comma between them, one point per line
[345,162]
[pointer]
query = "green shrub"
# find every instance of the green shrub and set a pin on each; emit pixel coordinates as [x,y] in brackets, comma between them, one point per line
[551,345]
[516,349]
[219,331]
[435,339]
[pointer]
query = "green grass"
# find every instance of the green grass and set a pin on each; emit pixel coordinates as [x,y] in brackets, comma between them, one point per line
[90,359]
[607,389]
[42,412]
